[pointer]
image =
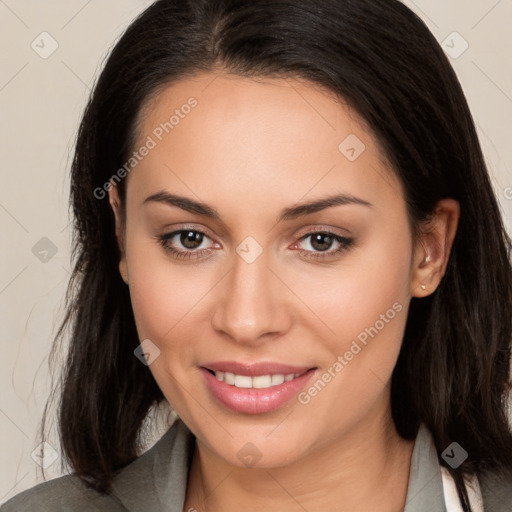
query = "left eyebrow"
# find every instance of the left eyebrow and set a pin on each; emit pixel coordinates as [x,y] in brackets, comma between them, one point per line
[290,213]
[321,204]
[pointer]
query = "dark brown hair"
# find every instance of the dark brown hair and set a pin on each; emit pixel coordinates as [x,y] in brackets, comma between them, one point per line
[453,369]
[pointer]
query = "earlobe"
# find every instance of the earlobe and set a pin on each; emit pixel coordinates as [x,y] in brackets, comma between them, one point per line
[123,270]
[433,248]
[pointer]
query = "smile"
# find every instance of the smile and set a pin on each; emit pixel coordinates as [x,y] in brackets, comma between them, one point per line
[254,389]
[258,382]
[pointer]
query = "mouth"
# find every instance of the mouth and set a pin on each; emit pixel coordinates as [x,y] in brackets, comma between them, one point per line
[255,382]
[255,388]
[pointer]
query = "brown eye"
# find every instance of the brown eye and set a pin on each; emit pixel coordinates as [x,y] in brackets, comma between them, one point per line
[321,241]
[191,239]
[185,244]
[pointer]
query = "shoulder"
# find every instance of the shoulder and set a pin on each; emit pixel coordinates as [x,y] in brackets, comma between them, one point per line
[157,476]
[496,489]
[63,493]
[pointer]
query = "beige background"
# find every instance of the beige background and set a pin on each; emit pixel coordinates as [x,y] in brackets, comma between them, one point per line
[41,100]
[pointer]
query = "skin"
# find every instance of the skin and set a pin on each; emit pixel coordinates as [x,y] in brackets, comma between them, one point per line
[251,148]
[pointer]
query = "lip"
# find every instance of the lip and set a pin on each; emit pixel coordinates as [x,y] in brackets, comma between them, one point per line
[254,369]
[255,400]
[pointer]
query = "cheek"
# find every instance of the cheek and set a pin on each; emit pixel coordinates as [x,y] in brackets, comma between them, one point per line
[367,288]
[372,312]
[366,312]
[163,294]
[165,302]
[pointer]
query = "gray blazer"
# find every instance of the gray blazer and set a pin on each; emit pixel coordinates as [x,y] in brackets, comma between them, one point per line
[156,482]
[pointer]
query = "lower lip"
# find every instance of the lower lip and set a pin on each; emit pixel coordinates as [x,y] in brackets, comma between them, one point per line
[253,400]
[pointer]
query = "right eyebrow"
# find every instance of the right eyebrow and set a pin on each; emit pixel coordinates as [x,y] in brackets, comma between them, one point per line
[184,203]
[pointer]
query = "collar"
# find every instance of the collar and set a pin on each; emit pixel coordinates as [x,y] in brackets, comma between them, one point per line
[425,489]
[157,480]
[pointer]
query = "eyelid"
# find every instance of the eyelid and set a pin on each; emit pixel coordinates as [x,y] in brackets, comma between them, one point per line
[168,229]
[168,235]
[344,242]
[323,228]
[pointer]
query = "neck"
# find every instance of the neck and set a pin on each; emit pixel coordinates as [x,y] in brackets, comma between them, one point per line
[366,469]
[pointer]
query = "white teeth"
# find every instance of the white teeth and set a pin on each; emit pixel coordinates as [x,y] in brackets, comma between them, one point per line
[243,381]
[258,382]
[262,381]
[277,379]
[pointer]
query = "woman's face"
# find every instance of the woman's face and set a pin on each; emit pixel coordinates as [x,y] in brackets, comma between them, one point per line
[260,278]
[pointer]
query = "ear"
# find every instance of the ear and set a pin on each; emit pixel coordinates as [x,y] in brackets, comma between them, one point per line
[432,249]
[115,203]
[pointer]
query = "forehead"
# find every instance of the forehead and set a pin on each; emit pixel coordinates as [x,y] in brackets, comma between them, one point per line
[232,134]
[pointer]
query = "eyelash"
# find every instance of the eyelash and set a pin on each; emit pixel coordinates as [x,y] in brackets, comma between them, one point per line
[345,244]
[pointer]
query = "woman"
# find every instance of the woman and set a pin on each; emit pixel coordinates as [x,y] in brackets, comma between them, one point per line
[285,229]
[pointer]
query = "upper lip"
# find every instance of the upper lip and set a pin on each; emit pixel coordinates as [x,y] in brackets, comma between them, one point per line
[255,369]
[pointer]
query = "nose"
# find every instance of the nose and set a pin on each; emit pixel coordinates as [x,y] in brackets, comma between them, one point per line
[252,305]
